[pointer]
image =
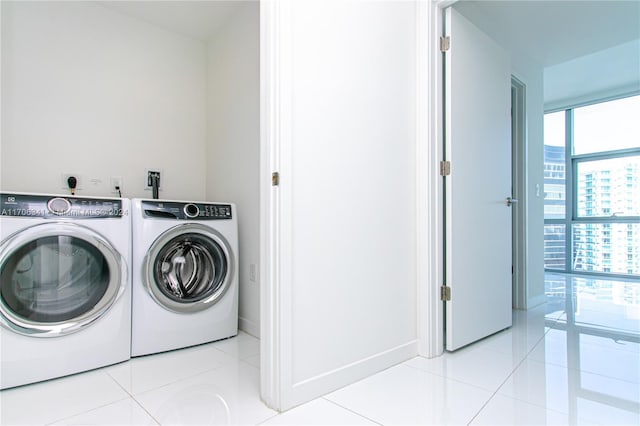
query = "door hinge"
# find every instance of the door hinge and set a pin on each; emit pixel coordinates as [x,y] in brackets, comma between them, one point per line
[445,168]
[445,43]
[275,179]
[445,293]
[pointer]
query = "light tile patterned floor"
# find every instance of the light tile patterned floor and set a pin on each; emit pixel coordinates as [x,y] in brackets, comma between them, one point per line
[575,360]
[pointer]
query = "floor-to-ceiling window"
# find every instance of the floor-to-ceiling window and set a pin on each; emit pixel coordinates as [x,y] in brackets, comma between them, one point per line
[592,188]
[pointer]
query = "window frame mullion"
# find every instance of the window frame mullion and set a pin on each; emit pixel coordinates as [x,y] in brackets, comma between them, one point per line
[570,208]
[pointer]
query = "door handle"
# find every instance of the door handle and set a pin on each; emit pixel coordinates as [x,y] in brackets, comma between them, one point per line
[509,201]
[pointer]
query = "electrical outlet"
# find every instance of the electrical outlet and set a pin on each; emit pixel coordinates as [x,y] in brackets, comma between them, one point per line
[116,184]
[253,272]
[64,184]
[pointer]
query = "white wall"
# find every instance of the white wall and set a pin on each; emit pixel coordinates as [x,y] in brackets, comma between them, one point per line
[603,75]
[344,300]
[233,148]
[91,91]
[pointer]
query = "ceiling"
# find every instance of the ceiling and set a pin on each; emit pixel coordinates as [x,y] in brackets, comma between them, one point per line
[195,19]
[551,32]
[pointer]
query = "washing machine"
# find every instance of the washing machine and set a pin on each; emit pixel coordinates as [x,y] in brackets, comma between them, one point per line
[185,274]
[65,293]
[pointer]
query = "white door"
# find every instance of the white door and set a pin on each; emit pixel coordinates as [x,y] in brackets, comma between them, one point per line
[339,302]
[478,219]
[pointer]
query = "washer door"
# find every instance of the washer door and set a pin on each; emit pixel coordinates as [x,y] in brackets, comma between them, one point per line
[188,268]
[57,278]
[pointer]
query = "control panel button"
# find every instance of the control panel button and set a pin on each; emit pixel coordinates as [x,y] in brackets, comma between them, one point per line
[191,210]
[59,206]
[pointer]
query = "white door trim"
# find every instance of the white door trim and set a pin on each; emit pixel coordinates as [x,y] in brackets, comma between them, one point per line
[275,101]
[519,155]
[429,152]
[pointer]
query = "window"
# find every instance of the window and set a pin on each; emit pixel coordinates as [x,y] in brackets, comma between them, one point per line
[602,188]
[554,166]
[620,132]
[592,188]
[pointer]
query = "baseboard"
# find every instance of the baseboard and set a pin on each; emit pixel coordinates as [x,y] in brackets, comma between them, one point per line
[534,302]
[249,327]
[330,381]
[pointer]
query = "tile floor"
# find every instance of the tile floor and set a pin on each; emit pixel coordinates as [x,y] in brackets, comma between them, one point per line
[575,360]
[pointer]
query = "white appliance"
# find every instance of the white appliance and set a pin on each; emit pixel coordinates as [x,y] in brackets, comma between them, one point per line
[65,294]
[185,274]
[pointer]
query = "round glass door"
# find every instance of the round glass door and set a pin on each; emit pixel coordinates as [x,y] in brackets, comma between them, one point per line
[188,268]
[56,279]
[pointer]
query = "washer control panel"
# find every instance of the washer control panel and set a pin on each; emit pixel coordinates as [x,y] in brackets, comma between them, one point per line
[186,211]
[21,205]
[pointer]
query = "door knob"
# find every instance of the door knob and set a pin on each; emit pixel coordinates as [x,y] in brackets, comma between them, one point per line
[511,201]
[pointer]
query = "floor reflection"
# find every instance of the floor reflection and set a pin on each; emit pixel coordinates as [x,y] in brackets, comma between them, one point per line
[598,333]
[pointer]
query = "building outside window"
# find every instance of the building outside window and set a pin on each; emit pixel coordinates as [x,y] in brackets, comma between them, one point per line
[592,188]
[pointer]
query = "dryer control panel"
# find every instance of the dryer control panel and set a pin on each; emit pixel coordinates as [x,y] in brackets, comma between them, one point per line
[186,211]
[27,205]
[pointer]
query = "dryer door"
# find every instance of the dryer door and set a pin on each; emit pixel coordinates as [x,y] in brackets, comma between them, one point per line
[57,278]
[188,268]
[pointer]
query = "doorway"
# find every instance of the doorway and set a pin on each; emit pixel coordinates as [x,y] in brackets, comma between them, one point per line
[518,191]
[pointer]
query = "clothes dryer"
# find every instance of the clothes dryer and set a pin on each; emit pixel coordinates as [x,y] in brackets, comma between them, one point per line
[185,274]
[65,294]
